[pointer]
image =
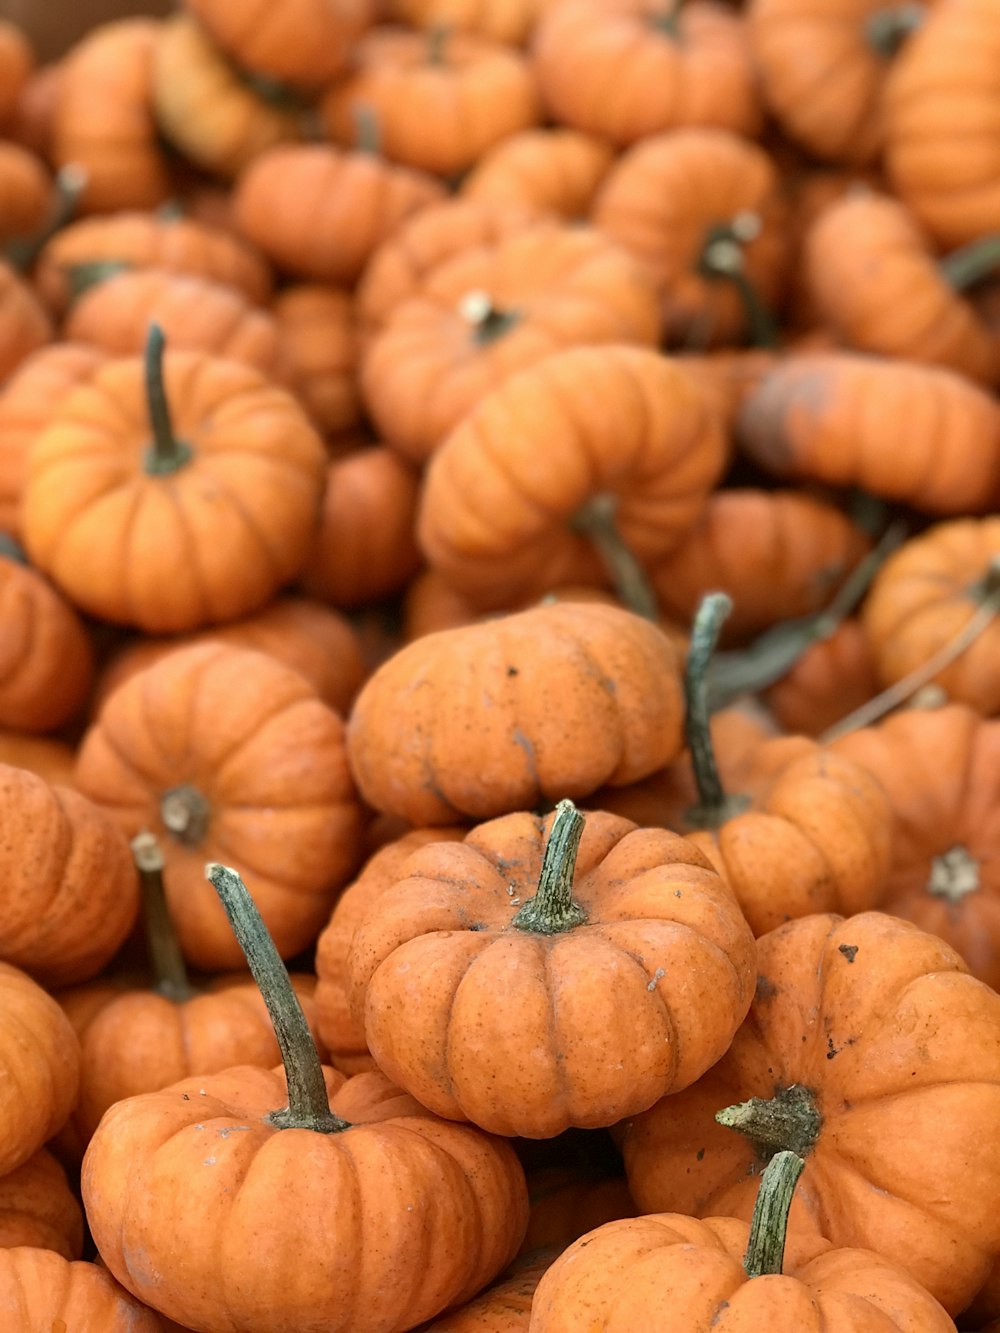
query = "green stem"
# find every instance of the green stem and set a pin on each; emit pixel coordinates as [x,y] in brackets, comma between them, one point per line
[71,181]
[723,259]
[788,1120]
[596,520]
[308,1102]
[437,43]
[185,813]
[488,322]
[668,21]
[167,454]
[714,806]
[11,549]
[769,1224]
[552,909]
[972,263]
[367,136]
[887,29]
[164,950]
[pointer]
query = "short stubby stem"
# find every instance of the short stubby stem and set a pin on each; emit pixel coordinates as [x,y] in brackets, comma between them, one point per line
[170,975]
[973,263]
[552,909]
[723,259]
[788,1120]
[487,321]
[185,814]
[954,874]
[887,29]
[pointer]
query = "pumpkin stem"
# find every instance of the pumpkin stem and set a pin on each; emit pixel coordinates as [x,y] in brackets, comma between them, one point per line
[723,259]
[308,1102]
[552,909]
[489,322]
[668,20]
[71,181]
[887,29]
[769,1224]
[596,520]
[970,264]
[166,454]
[164,951]
[185,814]
[438,36]
[789,1119]
[987,592]
[714,806]
[367,132]
[954,874]
[11,549]
[81,277]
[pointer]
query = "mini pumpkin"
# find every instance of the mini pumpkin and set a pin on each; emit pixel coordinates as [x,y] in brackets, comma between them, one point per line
[832,677]
[553,170]
[320,342]
[38,1208]
[24,325]
[40,1289]
[17,63]
[25,192]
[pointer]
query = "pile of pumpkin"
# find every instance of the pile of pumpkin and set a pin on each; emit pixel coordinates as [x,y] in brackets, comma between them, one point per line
[512,484]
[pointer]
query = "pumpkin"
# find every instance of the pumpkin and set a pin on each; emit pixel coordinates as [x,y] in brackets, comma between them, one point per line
[305,42]
[131,239]
[195,314]
[441,98]
[365,548]
[823,69]
[69,893]
[317,328]
[37,1207]
[502,715]
[937,587]
[215,117]
[566,1203]
[702,210]
[871,1049]
[491,311]
[505,1307]
[552,170]
[304,634]
[940,769]
[430,603]
[161,466]
[46,661]
[623,963]
[319,212]
[386,1215]
[141,1039]
[25,192]
[628,441]
[777,554]
[24,325]
[30,121]
[40,1289]
[104,119]
[876,281]
[216,747]
[28,399]
[39,1067]
[16,67]
[917,434]
[833,676]
[940,109]
[505,20]
[670,65]
[724,1274]
[402,262]
[342,1033]
[51,759]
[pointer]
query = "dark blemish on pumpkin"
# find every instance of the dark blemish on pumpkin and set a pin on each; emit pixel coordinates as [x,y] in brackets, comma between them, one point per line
[723,1306]
[512,671]
[849,951]
[529,750]
[700,1154]
[831,1049]
[677,893]
[766,989]
[476,925]
[185,1097]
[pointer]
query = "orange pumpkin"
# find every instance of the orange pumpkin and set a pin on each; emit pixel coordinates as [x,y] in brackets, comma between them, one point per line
[46,661]
[216,748]
[171,493]
[504,714]
[49,759]
[553,170]
[505,1307]
[832,677]
[490,311]
[317,328]
[505,20]
[41,1290]
[566,1203]
[104,119]
[619,429]
[37,1207]
[25,192]
[16,66]
[24,325]
[387,1260]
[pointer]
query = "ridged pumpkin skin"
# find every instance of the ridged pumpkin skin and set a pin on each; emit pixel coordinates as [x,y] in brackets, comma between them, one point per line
[37,1207]
[317,327]
[924,595]
[24,324]
[46,661]
[528,1033]
[667,69]
[567,1203]
[941,105]
[210,542]
[489,312]
[778,554]
[25,192]
[17,62]
[503,1308]
[874,280]
[553,170]
[940,769]
[41,1290]
[614,1276]
[831,678]
[506,20]
[368,1220]
[502,715]
[913,433]
[822,72]
[249,737]
[899,1049]
[69,895]
[609,420]
[39,1067]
